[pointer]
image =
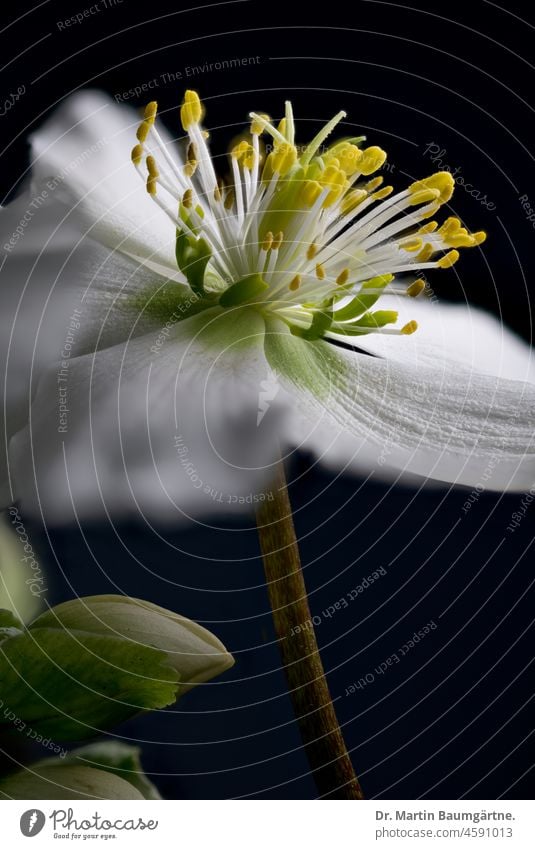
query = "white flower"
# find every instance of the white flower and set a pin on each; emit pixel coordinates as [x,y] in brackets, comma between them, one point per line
[199,290]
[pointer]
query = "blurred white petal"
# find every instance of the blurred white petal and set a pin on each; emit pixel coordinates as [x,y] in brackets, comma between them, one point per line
[84,150]
[167,434]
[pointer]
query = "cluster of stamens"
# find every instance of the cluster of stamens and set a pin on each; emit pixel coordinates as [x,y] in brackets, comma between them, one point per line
[310,235]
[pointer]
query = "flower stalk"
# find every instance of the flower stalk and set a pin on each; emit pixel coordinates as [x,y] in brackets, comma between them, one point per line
[312,703]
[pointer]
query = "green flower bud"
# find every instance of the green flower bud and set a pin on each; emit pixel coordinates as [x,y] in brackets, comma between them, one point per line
[193,651]
[92,662]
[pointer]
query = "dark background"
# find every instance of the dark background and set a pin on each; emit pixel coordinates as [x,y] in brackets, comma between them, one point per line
[453,719]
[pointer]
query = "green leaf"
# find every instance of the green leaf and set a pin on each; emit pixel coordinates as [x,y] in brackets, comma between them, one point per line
[71,684]
[66,781]
[115,757]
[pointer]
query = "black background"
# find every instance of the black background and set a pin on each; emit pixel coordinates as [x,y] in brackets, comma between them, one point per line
[453,718]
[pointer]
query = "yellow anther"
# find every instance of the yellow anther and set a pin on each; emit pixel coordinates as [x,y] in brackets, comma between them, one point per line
[333,178]
[152,168]
[479,237]
[352,200]
[450,225]
[137,154]
[282,127]
[143,131]
[310,192]
[191,154]
[268,241]
[416,288]
[239,149]
[383,193]
[430,227]
[257,128]
[320,271]
[348,156]
[295,283]
[372,158]
[217,194]
[277,241]
[312,251]
[411,245]
[460,240]
[191,111]
[429,211]
[423,195]
[191,160]
[426,253]
[448,259]
[409,328]
[442,181]
[187,199]
[343,277]
[283,158]
[151,185]
[150,111]
[374,184]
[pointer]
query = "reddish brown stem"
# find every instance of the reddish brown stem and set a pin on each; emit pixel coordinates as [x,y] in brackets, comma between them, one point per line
[321,734]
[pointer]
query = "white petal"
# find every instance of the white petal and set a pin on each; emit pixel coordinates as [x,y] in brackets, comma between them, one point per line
[82,155]
[440,421]
[162,426]
[458,332]
[35,269]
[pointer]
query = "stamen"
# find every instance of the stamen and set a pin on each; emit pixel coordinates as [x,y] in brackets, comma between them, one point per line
[137,154]
[153,175]
[448,259]
[268,241]
[343,277]
[295,283]
[277,241]
[372,159]
[416,288]
[311,251]
[320,271]
[191,111]
[409,328]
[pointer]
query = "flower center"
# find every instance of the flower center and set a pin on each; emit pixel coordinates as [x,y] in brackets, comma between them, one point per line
[306,234]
